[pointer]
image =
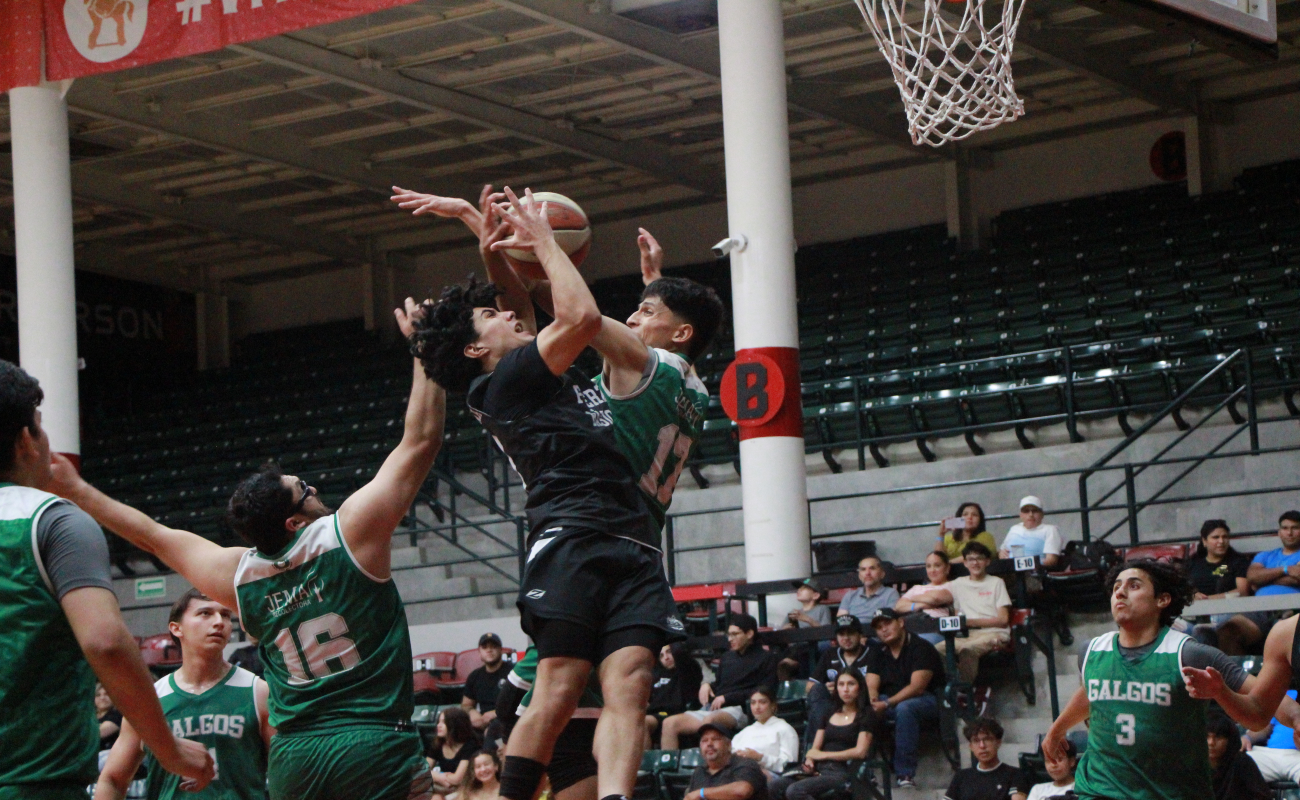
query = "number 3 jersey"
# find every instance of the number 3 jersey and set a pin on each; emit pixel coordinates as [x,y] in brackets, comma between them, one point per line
[332,637]
[1146,734]
[224,719]
[658,424]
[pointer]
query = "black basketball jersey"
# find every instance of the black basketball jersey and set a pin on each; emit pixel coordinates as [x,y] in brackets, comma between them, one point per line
[559,435]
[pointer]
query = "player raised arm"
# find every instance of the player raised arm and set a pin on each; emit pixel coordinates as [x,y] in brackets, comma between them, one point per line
[652,257]
[577,317]
[368,518]
[1257,703]
[207,565]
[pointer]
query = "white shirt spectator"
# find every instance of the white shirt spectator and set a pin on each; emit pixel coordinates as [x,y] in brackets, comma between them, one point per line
[775,739]
[1044,539]
[979,599]
[1042,791]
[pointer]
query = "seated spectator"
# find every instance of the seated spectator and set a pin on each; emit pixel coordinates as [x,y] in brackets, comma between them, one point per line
[925,603]
[675,687]
[1278,571]
[483,683]
[1032,536]
[769,740]
[952,541]
[1062,773]
[904,675]
[1234,776]
[984,600]
[743,668]
[862,603]
[1218,571]
[850,653]
[810,614]
[453,749]
[1277,758]
[844,737]
[989,779]
[724,776]
[483,781]
[108,718]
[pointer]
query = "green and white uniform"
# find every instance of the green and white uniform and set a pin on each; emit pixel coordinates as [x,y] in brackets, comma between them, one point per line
[224,718]
[658,424]
[48,735]
[525,673]
[338,660]
[1146,734]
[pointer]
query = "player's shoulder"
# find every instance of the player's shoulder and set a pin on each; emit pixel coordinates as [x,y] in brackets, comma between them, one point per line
[163,686]
[17,502]
[1103,643]
[676,366]
[242,679]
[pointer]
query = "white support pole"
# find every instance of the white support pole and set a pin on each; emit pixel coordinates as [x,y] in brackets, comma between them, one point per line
[759,208]
[47,302]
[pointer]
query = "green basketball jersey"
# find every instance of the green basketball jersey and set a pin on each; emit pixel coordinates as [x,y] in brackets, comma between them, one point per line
[657,426]
[333,638]
[525,673]
[48,732]
[1146,734]
[224,719]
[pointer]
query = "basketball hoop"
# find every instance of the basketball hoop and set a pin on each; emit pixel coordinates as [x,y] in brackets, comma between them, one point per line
[953,72]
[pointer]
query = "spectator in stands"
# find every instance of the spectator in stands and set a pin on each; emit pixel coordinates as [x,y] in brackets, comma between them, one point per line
[723,775]
[1235,776]
[903,679]
[1218,571]
[483,781]
[844,737]
[984,600]
[742,669]
[952,541]
[483,683]
[108,718]
[1277,758]
[810,614]
[849,654]
[862,603]
[453,749]
[1278,571]
[1061,771]
[1032,536]
[675,688]
[989,779]
[925,603]
[769,740]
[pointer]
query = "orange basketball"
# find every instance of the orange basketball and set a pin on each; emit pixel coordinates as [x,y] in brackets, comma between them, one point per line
[572,232]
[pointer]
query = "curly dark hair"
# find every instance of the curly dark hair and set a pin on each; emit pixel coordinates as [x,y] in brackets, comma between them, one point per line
[258,508]
[459,728]
[983,725]
[446,328]
[1166,578]
[697,304]
[20,394]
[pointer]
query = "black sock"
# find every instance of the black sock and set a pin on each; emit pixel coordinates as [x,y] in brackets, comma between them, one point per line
[520,778]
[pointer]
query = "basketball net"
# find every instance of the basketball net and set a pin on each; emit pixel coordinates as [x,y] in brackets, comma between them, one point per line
[953,71]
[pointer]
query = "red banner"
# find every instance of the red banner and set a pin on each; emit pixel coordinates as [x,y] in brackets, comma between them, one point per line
[20,43]
[89,37]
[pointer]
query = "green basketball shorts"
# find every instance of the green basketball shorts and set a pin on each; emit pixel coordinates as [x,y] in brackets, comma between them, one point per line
[351,764]
[44,791]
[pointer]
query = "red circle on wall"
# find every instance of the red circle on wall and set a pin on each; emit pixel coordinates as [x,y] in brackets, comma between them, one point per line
[753,390]
[1169,156]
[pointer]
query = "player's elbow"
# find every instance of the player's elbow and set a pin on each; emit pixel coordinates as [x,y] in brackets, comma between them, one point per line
[104,644]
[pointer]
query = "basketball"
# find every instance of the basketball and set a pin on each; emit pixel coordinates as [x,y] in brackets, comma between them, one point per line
[572,232]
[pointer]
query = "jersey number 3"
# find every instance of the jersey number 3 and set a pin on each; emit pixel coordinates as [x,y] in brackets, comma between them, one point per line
[323,644]
[671,441]
[1127,729]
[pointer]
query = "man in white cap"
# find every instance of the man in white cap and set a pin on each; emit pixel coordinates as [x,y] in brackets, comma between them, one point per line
[1031,534]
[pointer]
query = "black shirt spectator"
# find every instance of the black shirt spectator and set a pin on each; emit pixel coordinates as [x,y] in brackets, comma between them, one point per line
[834,661]
[114,716]
[974,783]
[674,690]
[1217,578]
[482,686]
[737,769]
[739,674]
[896,673]
[448,765]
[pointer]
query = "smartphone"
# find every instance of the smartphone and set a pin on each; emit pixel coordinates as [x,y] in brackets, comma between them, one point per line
[955,523]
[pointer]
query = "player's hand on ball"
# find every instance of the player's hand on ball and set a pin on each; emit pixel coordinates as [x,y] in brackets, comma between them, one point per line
[528,222]
[1203,684]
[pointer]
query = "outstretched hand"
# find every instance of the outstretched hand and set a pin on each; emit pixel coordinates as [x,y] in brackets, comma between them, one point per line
[422,204]
[1204,684]
[652,257]
[408,316]
[528,221]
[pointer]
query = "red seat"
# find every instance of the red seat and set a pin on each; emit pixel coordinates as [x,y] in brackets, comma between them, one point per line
[1167,553]
[703,591]
[469,660]
[160,651]
[1018,616]
[737,607]
[432,670]
[836,596]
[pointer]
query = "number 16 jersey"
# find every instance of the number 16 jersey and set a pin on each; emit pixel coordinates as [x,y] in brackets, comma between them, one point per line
[333,638]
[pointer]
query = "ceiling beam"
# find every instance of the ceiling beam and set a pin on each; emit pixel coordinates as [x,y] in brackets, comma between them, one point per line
[702,59]
[642,156]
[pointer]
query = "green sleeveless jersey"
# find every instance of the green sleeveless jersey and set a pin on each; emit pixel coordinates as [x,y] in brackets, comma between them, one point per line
[1146,734]
[48,732]
[333,638]
[657,426]
[525,673]
[224,719]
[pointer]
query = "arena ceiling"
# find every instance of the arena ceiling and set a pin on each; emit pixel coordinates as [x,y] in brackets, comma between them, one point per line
[273,159]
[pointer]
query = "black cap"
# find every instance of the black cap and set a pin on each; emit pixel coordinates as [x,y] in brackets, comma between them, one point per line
[709,726]
[489,638]
[848,622]
[884,615]
[811,583]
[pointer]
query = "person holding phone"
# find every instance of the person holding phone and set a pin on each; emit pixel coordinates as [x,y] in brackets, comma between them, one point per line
[966,526]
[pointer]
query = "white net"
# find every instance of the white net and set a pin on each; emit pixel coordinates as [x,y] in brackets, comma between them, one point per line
[952,69]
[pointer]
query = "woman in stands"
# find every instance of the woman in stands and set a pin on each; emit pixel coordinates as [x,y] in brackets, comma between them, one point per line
[925,603]
[452,752]
[1218,571]
[674,688]
[482,781]
[108,718]
[845,737]
[952,541]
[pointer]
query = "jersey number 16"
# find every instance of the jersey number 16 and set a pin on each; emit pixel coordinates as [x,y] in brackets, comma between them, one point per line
[321,641]
[671,441]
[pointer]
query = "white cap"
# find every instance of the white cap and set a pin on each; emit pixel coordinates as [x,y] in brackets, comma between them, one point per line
[1030,500]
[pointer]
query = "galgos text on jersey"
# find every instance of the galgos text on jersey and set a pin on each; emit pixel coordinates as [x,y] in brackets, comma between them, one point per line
[231,725]
[1157,694]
